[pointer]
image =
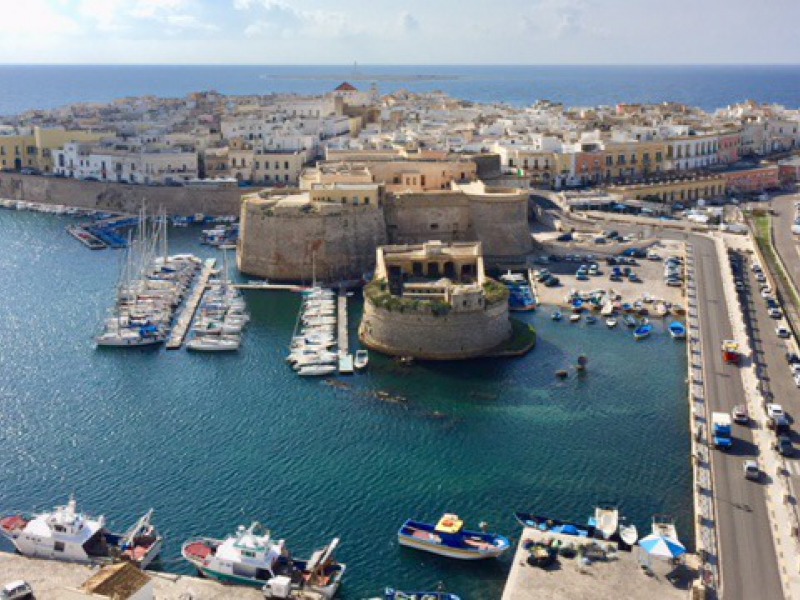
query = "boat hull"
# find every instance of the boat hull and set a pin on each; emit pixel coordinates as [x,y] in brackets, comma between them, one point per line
[449,552]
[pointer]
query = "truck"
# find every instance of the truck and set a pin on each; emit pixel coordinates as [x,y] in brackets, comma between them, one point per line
[721,430]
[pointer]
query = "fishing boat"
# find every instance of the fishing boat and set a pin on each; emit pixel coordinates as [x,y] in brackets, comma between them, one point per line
[575,317]
[393,594]
[611,323]
[556,316]
[591,319]
[69,535]
[520,297]
[661,309]
[577,305]
[643,331]
[664,526]
[361,359]
[547,524]
[449,538]
[607,310]
[251,557]
[605,519]
[629,320]
[677,330]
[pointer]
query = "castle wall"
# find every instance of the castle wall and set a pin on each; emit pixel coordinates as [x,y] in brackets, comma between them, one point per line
[289,244]
[117,197]
[425,336]
[501,224]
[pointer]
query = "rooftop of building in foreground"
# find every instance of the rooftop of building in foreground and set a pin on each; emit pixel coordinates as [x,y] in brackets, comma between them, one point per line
[621,575]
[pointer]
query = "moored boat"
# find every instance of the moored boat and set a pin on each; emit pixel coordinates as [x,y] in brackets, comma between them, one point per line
[677,330]
[556,316]
[520,296]
[611,323]
[252,558]
[554,525]
[643,331]
[605,519]
[629,320]
[69,535]
[361,359]
[575,317]
[628,534]
[449,538]
[393,594]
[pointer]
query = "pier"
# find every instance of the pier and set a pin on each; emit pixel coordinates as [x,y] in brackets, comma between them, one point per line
[270,287]
[178,333]
[345,358]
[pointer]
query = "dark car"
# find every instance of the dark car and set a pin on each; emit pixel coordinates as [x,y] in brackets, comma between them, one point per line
[564,237]
[611,234]
[792,358]
[611,261]
[784,445]
[779,424]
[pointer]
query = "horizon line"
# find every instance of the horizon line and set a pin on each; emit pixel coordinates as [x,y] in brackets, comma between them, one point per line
[351,65]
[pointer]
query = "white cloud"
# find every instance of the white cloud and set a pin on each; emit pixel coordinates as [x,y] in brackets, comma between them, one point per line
[408,22]
[121,15]
[185,22]
[277,18]
[556,19]
[36,18]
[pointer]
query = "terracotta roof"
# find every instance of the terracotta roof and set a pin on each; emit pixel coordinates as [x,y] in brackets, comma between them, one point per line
[119,581]
[346,87]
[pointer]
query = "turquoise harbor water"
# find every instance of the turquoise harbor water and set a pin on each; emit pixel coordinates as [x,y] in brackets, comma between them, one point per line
[214,441]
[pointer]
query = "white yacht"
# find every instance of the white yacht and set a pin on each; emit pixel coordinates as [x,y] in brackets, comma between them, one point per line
[227,343]
[252,558]
[361,360]
[316,370]
[68,535]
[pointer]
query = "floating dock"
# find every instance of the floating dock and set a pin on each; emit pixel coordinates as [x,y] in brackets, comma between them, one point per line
[345,364]
[176,337]
[270,287]
[341,321]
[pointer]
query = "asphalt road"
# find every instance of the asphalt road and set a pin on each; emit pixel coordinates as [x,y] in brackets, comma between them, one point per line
[749,565]
[747,551]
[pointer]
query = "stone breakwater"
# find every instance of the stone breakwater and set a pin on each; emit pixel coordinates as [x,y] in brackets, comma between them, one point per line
[119,197]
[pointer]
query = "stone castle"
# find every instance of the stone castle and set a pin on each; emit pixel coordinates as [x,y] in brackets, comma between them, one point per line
[332,230]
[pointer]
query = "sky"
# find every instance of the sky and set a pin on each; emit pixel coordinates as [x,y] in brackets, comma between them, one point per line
[399,31]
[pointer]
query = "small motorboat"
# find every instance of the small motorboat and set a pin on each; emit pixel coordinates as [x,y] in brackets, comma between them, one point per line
[611,323]
[556,316]
[317,370]
[677,330]
[605,519]
[361,360]
[643,331]
[393,594]
[574,318]
[627,307]
[449,538]
[591,319]
[629,320]
[628,534]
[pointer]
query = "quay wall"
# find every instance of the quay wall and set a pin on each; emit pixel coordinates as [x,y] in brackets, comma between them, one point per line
[119,197]
[293,244]
[457,335]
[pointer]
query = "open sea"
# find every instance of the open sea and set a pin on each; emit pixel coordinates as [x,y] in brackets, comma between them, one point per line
[24,87]
[212,442]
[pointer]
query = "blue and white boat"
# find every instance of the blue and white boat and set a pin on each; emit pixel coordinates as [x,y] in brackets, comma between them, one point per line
[677,330]
[643,331]
[393,594]
[520,294]
[556,316]
[449,538]
[556,526]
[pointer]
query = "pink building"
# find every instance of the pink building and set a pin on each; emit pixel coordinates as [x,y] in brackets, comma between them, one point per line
[752,180]
[729,148]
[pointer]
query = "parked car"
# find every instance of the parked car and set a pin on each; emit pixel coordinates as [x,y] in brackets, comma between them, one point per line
[778,424]
[784,445]
[783,332]
[751,470]
[582,276]
[775,313]
[766,292]
[792,358]
[16,590]
[761,277]
[674,282]
[634,278]
[611,234]
[653,256]
[611,261]
[600,240]
[740,414]
[775,410]
[756,268]
[797,379]
[564,237]
[739,285]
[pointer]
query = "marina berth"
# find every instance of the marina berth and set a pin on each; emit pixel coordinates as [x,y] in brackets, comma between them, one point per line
[449,538]
[251,557]
[69,535]
[393,594]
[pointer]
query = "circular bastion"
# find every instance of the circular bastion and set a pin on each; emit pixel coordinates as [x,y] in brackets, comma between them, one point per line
[432,330]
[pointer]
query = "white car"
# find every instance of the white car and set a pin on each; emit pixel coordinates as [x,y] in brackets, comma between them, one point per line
[775,313]
[774,411]
[16,590]
[783,332]
[761,277]
[797,379]
[751,470]
[795,368]
[766,291]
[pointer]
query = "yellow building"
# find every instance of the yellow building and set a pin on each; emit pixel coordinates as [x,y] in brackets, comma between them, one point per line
[634,158]
[672,190]
[35,150]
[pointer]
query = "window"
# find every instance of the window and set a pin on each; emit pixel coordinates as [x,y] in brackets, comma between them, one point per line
[286,165]
[58,546]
